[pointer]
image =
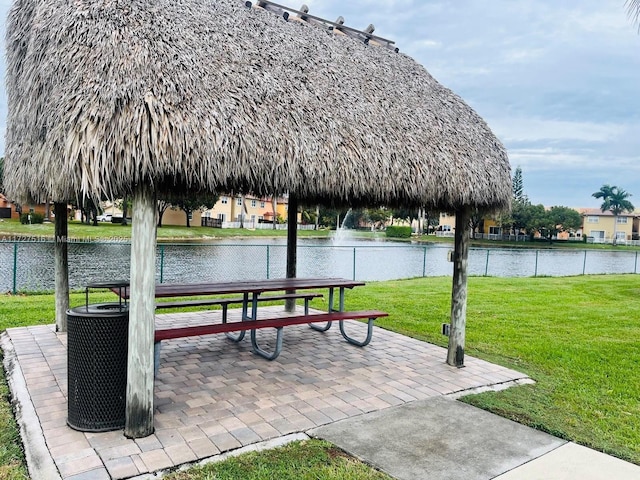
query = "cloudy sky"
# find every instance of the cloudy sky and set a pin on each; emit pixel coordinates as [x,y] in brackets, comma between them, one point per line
[557,81]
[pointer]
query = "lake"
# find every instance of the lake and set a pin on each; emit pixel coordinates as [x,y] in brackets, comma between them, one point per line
[29,266]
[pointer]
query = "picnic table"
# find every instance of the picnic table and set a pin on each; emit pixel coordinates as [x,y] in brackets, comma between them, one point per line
[252,293]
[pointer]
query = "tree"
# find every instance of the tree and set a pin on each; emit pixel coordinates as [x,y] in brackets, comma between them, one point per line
[125,204]
[521,215]
[405,214]
[614,200]
[476,220]
[330,216]
[553,221]
[195,201]
[88,211]
[274,208]
[162,206]
[378,216]
[633,9]
[518,185]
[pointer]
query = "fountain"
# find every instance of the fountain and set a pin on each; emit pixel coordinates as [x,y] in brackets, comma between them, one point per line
[342,234]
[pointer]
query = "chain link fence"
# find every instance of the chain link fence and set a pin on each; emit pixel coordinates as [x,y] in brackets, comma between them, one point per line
[29,266]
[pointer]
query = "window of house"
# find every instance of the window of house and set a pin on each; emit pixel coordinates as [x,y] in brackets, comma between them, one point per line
[221,217]
[596,233]
[254,203]
[621,236]
[622,220]
[224,200]
[239,201]
[261,204]
[494,230]
[593,219]
[253,218]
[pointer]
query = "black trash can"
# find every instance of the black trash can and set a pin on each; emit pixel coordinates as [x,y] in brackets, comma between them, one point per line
[97,347]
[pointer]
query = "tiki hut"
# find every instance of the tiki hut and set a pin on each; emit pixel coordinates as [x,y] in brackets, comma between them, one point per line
[141,97]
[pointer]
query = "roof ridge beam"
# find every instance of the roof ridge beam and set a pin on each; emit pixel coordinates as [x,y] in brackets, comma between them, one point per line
[303,14]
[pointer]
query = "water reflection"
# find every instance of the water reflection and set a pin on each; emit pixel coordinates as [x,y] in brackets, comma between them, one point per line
[256,258]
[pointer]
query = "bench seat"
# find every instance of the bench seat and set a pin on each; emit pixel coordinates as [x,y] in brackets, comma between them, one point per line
[278,323]
[225,302]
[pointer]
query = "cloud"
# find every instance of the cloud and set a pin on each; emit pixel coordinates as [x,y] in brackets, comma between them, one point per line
[523,129]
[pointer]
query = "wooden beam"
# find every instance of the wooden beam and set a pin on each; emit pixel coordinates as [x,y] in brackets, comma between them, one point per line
[139,401]
[292,245]
[455,353]
[61,255]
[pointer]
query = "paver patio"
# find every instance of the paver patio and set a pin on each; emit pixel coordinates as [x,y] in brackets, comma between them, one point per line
[213,395]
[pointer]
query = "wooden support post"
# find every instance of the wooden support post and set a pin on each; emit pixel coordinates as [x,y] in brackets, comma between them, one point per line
[139,402]
[61,265]
[292,246]
[455,354]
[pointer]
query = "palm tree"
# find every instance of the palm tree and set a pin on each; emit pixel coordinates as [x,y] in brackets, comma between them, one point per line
[614,200]
[633,9]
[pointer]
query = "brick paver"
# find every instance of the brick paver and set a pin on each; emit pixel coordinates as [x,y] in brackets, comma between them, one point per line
[213,395]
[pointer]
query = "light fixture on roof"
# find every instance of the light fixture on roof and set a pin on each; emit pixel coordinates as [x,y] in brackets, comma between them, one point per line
[365,35]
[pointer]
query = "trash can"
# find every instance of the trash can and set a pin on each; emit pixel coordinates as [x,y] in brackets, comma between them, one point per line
[97,347]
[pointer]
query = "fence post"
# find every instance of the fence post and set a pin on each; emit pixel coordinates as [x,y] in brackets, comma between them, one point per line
[584,263]
[161,263]
[424,262]
[535,273]
[486,265]
[268,262]
[354,264]
[15,268]
[635,265]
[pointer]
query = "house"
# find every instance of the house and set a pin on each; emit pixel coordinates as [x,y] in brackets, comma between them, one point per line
[9,209]
[599,226]
[251,211]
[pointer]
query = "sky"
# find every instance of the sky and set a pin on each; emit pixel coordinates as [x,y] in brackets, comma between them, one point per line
[558,82]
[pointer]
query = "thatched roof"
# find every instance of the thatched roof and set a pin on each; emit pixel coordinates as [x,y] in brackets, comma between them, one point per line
[205,94]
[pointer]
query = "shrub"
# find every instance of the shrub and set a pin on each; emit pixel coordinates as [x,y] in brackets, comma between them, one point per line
[27,218]
[396,231]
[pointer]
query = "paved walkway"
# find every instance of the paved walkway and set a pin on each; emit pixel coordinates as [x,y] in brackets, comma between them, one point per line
[214,396]
[442,439]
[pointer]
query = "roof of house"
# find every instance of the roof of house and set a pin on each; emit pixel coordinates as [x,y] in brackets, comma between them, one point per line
[607,213]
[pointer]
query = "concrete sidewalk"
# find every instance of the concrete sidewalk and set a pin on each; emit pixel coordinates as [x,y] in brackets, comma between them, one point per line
[442,439]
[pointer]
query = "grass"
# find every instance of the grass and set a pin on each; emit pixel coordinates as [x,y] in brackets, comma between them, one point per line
[576,336]
[14,230]
[307,460]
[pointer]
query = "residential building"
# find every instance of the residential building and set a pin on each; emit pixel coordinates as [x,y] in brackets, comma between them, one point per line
[231,210]
[599,226]
[178,217]
[9,209]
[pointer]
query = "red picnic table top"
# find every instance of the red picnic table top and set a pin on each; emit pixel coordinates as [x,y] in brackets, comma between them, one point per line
[252,286]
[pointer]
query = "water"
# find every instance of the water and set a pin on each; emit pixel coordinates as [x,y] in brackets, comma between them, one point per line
[342,235]
[266,258]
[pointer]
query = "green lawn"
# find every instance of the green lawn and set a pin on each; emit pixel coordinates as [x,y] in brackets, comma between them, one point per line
[578,337]
[14,230]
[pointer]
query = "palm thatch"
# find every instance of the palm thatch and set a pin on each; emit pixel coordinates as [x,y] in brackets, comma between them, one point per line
[211,95]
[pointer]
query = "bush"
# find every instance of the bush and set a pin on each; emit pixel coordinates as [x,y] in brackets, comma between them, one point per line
[395,231]
[27,218]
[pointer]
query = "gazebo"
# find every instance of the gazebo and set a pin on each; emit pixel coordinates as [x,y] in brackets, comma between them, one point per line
[138,98]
